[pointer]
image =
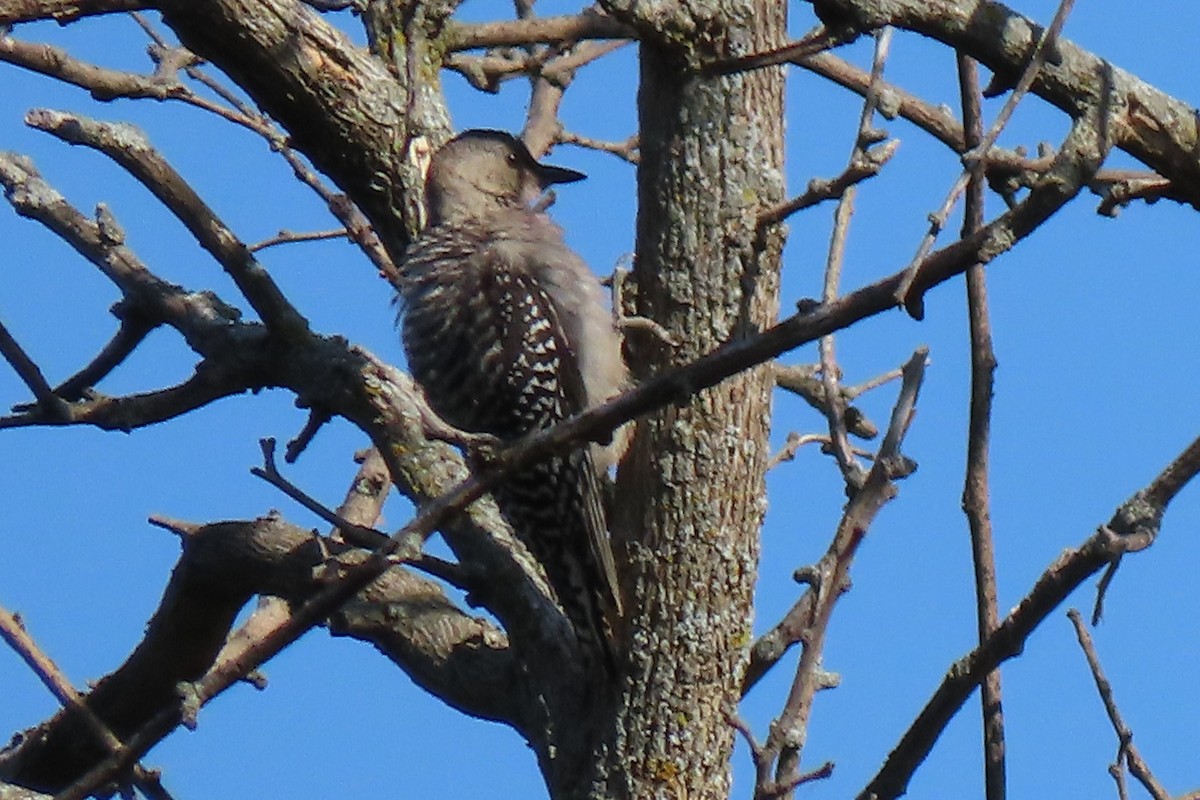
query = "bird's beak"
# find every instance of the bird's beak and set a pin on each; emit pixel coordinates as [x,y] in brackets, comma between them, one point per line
[548,175]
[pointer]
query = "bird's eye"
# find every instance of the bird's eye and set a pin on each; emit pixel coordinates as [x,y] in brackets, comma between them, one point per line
[511,158]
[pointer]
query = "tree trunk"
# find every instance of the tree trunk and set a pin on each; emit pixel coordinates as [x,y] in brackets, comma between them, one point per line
[691,494]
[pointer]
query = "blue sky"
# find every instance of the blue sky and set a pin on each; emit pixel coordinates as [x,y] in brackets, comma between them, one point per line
[1095,328]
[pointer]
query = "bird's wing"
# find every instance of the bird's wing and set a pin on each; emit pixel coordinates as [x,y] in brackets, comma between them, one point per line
[534,340]
[599,542]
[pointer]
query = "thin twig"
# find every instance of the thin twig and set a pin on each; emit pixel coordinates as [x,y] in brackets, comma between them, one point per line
[796,440]
[51,404]
[1127,752]
[805,382]
[1132,527]
[317,418]
[852,471]
[976,498]
[975,154]
[626,150]
[883,378]
[269,472]
[133,331]
[863,165]
[13,631]
[289,237]
[809,621]
[1047,45]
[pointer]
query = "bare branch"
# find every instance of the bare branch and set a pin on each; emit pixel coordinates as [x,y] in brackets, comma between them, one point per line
[934,120]
[795,441]
[129,147]
[804,381]
[864,164]
[976,499]
[590,24]
[1084,150]
[62,11]
[348,530]
[12,630]
[291,237]
[193,314]
[1127,751]
[1170,481]
[938,218]
[881,379]
[1116,188]
[132,332]
[626,150]
[50,405]
[542,126]
[772,645]
[788,733]
[487,72]
[1154,128]
[1047,48]
[102,83]
[835,411]
[1133,527]
[165,84]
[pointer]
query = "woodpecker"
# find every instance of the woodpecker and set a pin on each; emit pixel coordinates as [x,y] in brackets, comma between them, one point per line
[506,330]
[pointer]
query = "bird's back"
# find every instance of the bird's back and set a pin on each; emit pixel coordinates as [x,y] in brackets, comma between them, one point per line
[500,324]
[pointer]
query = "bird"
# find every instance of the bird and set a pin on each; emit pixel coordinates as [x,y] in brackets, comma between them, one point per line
[506,330]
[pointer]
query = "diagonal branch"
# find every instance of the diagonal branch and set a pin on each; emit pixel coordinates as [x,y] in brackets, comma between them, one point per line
[788,733]
[222,565]
[863,165]
[49,404]
[1127,752]
[130,148]
[131,333]
[1133,527]
[62,11]
[589,24]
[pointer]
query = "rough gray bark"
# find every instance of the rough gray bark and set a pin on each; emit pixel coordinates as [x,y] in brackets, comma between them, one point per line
[363,121]
[691,495]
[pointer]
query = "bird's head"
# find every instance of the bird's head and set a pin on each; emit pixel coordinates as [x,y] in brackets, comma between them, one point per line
[480,171]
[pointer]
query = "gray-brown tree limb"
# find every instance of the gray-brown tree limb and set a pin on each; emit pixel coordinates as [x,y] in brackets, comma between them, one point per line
[1133,527]
[366,122]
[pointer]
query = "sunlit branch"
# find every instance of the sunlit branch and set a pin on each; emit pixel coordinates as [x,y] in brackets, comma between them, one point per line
[1133,527]
[12,630]
[62,11]
[1128,754]
[976,495]
[590,24]
[129,147]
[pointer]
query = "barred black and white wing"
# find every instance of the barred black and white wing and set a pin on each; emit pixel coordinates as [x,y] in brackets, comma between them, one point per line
[485,340]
